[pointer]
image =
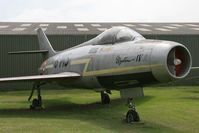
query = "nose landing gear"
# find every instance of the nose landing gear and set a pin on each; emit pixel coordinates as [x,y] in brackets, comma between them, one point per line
[132,115]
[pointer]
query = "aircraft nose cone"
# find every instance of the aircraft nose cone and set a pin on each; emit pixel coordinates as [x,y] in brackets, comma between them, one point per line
[177,62]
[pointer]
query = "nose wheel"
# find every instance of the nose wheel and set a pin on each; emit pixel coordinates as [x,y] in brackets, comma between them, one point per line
[132,115]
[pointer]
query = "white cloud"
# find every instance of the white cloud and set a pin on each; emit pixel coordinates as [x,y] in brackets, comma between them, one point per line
[109,10]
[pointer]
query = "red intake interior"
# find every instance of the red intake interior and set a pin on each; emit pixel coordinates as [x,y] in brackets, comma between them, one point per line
[178,68]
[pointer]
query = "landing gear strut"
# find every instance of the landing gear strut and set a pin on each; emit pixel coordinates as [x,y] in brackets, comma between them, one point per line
[105,99]
[132,115]
[36,102]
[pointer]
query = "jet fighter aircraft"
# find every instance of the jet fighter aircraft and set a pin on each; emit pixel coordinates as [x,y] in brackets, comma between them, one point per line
[117,59]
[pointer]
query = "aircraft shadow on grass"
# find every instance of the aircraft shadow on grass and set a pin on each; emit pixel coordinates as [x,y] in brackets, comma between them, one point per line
[106,116]
[66,106]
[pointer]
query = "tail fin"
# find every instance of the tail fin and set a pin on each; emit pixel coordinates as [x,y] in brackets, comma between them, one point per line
[44,44]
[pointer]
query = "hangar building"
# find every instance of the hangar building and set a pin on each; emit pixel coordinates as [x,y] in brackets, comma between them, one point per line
[18,36]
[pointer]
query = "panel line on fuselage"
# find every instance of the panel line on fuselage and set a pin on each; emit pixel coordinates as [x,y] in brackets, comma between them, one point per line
[109,70]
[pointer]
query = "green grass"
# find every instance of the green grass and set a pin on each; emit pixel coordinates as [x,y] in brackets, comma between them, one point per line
[163,110]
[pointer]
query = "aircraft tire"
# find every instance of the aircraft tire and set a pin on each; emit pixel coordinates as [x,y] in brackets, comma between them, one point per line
[132,116]
[105,98]
[35,104]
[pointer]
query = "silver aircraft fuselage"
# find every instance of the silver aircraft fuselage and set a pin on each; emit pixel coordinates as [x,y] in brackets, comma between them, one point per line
[122,65]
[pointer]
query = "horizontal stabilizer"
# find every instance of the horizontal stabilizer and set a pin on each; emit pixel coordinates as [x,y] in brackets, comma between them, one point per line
[29,52]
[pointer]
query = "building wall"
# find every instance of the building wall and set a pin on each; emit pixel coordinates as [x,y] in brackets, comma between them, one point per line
[18,65]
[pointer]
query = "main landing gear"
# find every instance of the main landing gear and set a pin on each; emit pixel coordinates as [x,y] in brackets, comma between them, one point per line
[105,99]
[36,102]
[132,115]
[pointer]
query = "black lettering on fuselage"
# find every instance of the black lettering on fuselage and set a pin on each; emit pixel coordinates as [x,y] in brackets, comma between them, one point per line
[139,57]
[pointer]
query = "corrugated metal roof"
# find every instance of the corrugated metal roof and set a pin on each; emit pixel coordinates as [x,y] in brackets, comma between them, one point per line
[29,28]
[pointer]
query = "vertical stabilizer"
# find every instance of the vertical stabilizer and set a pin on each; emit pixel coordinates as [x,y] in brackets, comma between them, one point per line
[44,44]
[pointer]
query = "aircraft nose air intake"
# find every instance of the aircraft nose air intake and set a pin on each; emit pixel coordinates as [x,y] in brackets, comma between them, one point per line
[173,59]
[181,62]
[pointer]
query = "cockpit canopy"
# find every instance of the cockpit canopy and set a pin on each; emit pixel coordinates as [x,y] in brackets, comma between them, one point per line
[113,36]
[117,35]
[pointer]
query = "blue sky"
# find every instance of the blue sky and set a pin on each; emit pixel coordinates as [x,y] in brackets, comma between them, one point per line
[100,10]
